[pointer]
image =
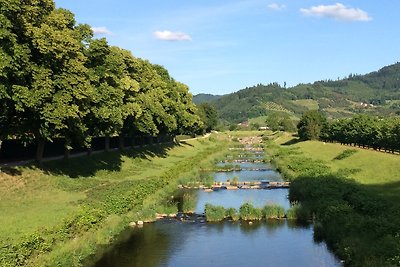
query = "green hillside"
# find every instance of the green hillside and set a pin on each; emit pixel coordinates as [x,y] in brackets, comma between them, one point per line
[201,98]
[375,93]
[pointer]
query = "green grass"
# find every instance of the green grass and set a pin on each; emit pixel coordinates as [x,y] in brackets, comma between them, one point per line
[371,167]
[42,209]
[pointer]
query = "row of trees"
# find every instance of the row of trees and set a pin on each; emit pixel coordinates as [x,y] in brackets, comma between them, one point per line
[365,131]
[56,80]
[361,130]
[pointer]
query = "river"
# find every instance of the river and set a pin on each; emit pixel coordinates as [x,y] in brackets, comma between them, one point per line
[171,242]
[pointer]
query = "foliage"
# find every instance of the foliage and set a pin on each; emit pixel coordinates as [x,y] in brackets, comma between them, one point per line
[214,213]
[273,211]
[232,214]
[250,213]
[56,80]
[234,181]
[366,131]
[277,121]
[209,116]
[311,125]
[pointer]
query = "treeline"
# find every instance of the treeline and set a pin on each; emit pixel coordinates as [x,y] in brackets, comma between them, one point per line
[57,80]
[365,131]
[361,130]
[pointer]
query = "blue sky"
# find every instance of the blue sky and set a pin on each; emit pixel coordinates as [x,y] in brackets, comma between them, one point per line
[222,46]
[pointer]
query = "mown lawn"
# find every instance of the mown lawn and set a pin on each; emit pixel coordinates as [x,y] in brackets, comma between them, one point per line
[379,170]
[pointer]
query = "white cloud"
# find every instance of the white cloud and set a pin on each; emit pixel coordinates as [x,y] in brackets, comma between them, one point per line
[275,6]
[337,11]
[101,30]
[172,36]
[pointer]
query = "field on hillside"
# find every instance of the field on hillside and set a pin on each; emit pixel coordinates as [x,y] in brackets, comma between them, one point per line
[310,104]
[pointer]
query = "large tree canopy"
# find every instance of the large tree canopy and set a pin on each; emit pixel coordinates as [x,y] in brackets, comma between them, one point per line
[56,80]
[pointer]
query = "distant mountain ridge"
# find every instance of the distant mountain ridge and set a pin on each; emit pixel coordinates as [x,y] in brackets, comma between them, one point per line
[376,93]
[201,98]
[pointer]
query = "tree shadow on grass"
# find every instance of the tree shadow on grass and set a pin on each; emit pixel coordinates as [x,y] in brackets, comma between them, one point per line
[292,142]
[185,143]
[88,166]
[13,171]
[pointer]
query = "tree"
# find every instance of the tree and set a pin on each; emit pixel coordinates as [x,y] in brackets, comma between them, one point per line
[45,82]
[280,121]
[208,115]
[311,125]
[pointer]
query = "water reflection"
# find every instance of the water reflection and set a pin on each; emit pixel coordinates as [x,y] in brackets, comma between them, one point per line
[170,243]
[235,198]
[269,175]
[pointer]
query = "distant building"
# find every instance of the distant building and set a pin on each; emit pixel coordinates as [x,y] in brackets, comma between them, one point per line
[243,124]
[263,128]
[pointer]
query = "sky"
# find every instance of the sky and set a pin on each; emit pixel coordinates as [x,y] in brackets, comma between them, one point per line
[219,47]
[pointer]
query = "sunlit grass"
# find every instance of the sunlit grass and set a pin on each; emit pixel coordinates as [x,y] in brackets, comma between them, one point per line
[37,199]
[373,167]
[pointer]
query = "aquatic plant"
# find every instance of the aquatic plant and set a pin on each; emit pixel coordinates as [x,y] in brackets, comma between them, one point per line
[232,213]
[273,211]
[188,202]
[214,213]
[249,213]
[234,181]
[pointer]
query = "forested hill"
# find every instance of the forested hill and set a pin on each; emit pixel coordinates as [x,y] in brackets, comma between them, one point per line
[375,93]
[201,98]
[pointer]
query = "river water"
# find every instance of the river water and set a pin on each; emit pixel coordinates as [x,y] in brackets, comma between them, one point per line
[269,243]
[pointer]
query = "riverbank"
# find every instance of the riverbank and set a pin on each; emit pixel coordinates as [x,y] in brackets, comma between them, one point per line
[64,211]
[352,194]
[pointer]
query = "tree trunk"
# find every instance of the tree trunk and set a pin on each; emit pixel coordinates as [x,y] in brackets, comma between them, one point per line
[89,151]
[107,143]
[121,142]
[40,150]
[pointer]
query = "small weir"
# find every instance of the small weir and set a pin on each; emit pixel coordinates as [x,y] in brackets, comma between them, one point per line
[240,185]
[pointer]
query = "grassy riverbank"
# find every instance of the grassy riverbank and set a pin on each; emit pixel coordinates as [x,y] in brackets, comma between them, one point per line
[352,193]
[64,211]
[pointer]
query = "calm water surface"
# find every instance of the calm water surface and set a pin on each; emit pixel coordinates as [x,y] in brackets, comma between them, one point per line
[272,243]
